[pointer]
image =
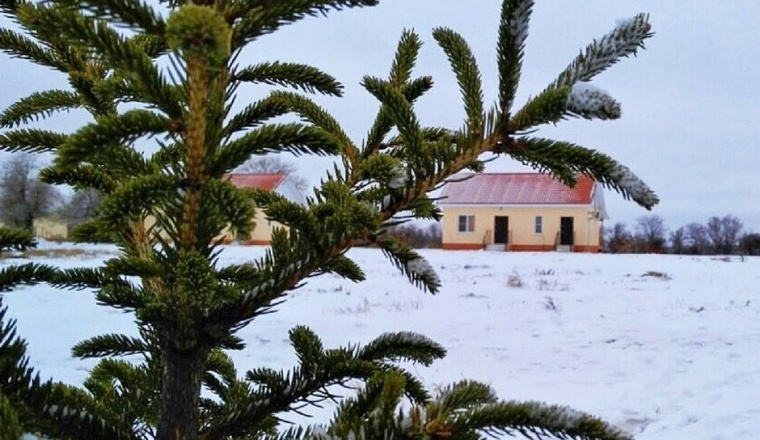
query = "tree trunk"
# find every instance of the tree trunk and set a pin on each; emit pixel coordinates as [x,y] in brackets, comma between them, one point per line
[180,392]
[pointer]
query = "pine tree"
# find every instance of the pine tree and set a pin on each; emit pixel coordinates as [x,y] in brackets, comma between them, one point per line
[187,307]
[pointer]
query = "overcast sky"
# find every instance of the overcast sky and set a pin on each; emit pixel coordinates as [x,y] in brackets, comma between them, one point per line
[691,101]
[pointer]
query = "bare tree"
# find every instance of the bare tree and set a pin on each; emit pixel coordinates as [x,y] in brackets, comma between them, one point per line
[274,164]
[678,241]
[731,231]
[83,205]
[750,244]
[618,239]
[724,233]
[650,233]
[22,196]
[697,239]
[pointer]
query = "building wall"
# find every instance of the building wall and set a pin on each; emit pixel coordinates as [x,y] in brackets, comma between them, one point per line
[261,234]
[522,235]
[50,228]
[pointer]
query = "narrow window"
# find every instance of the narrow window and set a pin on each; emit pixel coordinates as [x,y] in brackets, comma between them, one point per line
[539,225]
[466,223]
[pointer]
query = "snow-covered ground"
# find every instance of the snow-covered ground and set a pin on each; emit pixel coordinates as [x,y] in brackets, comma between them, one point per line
[664,346]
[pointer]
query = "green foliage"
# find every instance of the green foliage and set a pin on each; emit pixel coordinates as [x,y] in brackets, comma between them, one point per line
[300,76]
[39,104]
[31,140]
[10,427]
[167,210]
[53,409]
[199,32]
[465,410]
[465,67]
[16,239]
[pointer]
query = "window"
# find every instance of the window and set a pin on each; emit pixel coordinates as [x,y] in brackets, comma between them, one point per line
[539,225]
[466,223]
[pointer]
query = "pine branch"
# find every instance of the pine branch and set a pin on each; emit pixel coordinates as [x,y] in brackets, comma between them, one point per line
[510,46]
[625,40]
[534,420]
[153,45]
[51,409]
[130,14]
[261,17]
[136,196]
[460,396]
[406,57]
[565,160]
[407,51]
[86,278]
[319,369]
[549,107]
[109,345]
[344,267]
[31,140]
[317,116]
[402,346]
[122,52]
[399,109]
[465,67]
[410,263]
[85,176]
[371,412]
[9,7]
[19,46]
[25,274]
[40,104]
[108,136]
[255,114]
[591,102]
[384,121]
[16,239]
[128,393]
[299,76]
[10,426]
[276,138]
[235,206]
[92,231]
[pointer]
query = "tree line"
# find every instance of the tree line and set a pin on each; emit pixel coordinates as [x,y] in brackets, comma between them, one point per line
[25,198]
[718,236]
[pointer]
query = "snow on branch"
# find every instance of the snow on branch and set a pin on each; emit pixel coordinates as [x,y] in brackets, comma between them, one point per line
[589,101]
[420,268]
[518,23]
[633,187]
[625,40]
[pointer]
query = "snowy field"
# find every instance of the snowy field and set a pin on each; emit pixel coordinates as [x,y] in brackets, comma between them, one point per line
[666,347]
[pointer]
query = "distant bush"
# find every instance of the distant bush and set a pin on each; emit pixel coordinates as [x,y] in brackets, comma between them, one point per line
[750,244]
[15,239]
[417,237]
[719,236]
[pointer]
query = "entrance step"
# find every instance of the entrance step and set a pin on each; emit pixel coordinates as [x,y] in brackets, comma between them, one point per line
[496,247]
[564,248]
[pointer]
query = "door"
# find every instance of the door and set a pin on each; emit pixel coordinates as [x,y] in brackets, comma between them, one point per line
[566,231]
[500,230]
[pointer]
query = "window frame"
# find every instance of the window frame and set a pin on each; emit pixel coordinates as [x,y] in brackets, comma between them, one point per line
[468,221]
[538,225]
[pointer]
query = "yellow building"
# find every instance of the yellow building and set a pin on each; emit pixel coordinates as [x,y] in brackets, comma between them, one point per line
[522,212]
[262,232]
[50,228]
[279,183]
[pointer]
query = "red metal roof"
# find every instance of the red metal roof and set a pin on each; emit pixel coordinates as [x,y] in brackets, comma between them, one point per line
[265,181]
[517,189]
